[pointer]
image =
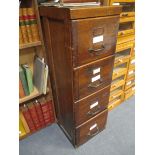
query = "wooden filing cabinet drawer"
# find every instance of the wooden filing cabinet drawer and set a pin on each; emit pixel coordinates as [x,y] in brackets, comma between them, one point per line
[117,72]
[91,127]
[93,77]
[114,103]
[127,38]
[131,74]
[130,92]
[94,38]
[132,63]
[130,83]
[116,93]
[128,7]
[117,83]
[126,27]
[123,46]
[92,105]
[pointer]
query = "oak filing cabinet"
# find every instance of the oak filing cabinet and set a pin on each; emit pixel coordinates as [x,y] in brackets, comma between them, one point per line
[124,70]
[81,43]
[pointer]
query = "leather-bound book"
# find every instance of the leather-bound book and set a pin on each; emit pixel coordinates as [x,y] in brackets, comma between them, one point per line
[34,115]
[28,118]
[21,90]
[51,110]
[39,113]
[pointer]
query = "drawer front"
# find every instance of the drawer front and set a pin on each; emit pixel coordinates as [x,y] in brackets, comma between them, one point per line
[118,72]
[124,46]
[91,128]
[124,39]
[130,92]
[114,95]
[132,63]
[117,84]
[92,105]
[94,38]
[121,60]
[94,77]
[131,74]
[128,7]
[129,83]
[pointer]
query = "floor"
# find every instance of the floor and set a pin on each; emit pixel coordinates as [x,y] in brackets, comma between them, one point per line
[117,139]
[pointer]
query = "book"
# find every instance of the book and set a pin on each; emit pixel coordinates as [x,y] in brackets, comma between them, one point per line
[26,127]
[51,110]
[29,78]
[21,90]
[23,27]
[33,24]
[22,131]
[24,81]
[39,113]
[28,118]
[27,24]
[39,67]
[46,112]
[21,41]
[34,115]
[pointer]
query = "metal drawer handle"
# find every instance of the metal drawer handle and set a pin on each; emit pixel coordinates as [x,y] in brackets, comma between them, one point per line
[91,113]
[125,14]
[95,85]
[95,133]
[97,51]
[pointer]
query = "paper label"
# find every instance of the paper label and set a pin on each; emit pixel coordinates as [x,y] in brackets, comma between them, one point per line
[93,126]
[97,70]
[116,4]
[131,72]
[98,39]
[93,105]
[133,61]
[128,83]
[95,78]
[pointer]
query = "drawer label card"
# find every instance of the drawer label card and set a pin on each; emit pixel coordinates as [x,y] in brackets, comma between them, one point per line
[131,72]
[97,70]
[94,105]
[115,4]
[95,78]
[98,39]
[93,126]
[128,83]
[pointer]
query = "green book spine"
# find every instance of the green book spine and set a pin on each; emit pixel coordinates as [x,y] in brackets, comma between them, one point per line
[29,78]
[23,80]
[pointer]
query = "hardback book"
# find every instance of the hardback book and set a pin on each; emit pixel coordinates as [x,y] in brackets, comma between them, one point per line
[21,90]
[46,112]
[29,77]
[51,110]
[28,118]
[39,67]
[22,131]
[34,115]
[39,113]
[33,23]
[27,24]
[21,41]
[23,27]
[26,127]
[24,81]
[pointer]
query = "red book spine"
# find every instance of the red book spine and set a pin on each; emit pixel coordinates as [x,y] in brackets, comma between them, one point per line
[51,110]
[46,113]
[40,114]
[29,120]
[34,116]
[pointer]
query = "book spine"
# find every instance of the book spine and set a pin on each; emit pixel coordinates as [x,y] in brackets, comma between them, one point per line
[33,23]
[27,24]
[34,116]
[21,90]
[21,41]
[40,114]
[23,27]
[46,113]
[29,120]
[51,110]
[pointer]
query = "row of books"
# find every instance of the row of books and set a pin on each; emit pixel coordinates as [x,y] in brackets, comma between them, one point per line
[27,81]
[35,115]
[28,28]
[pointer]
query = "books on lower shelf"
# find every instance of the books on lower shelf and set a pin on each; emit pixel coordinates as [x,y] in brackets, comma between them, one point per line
[35,84]
[37,114]
[28,28]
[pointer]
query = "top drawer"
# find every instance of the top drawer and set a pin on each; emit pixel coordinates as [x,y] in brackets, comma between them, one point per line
[128,7]
[94,38]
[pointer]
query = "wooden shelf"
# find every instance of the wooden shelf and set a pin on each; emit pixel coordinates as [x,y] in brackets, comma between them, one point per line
[33,95]
[28,45]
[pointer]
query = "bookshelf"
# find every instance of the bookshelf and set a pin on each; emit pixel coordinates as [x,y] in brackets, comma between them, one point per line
[27,53]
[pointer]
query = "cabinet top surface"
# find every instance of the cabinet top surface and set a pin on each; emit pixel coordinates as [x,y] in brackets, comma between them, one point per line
[79,12]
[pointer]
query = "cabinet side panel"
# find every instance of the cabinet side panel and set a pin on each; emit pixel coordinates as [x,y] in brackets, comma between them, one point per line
[60,63]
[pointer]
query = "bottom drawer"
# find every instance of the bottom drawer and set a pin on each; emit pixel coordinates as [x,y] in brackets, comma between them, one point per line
[130,92]
[91,128]
[114,103]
